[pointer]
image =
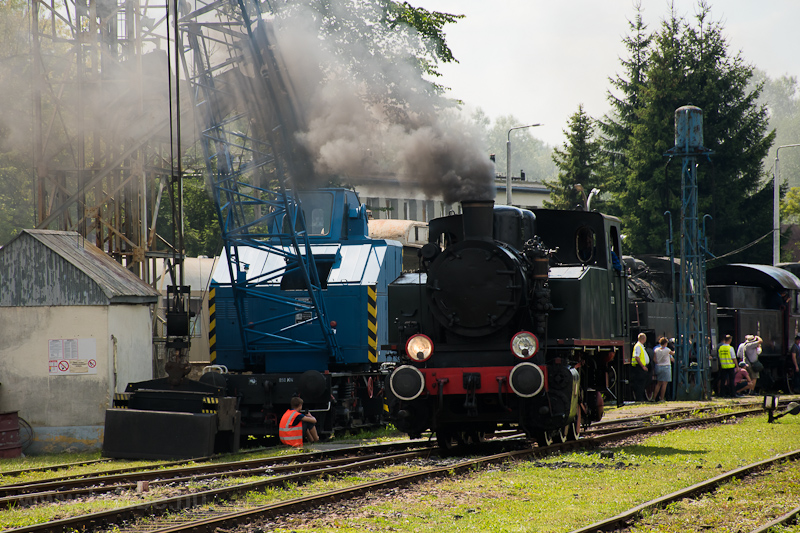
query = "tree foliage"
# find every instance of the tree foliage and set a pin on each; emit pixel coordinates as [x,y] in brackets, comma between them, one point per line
[782,98]
[687,62]
[579,162]
[16,175]
[406,39]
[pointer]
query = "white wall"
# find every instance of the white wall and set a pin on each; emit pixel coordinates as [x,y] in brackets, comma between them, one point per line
[67,412]
[27,386]
[131,326]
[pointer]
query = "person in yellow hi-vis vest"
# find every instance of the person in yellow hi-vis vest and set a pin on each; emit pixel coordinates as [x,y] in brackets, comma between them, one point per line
[727,367]
[639,371]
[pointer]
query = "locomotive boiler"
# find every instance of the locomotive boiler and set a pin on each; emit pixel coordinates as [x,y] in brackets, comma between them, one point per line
[512,320]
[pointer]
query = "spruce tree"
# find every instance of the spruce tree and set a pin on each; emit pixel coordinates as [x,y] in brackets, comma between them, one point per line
[578,163]
[617,128]
[688,64]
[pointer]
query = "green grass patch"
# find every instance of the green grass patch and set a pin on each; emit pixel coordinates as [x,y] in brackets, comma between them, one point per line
[565,492]
[555,494]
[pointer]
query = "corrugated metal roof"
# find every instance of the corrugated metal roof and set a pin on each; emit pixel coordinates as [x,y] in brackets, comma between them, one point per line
[41,276]
[766,276]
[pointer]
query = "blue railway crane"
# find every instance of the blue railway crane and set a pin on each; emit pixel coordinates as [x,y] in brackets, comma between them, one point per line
[288,246]
[244,101]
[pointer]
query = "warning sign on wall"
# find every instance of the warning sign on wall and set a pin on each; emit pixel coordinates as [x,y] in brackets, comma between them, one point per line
[72,357]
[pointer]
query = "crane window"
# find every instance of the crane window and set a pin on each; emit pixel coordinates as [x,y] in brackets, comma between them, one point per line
[317,211]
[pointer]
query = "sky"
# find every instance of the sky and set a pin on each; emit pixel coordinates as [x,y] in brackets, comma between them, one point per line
[538,60]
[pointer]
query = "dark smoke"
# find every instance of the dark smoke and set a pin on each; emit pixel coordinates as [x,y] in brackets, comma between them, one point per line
[367,116]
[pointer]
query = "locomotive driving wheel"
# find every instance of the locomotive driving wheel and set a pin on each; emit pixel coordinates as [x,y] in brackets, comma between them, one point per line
[450,440]
[544,437]
[573,430]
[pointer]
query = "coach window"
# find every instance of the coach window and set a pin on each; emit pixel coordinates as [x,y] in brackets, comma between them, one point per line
[585,244]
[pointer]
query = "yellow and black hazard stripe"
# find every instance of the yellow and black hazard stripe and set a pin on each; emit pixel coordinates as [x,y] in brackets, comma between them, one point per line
[212,325]
[372,323]
[210,404]
[121,399]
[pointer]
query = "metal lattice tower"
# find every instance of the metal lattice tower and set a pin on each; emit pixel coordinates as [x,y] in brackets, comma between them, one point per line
[692,341]
[101,130]
[244,101]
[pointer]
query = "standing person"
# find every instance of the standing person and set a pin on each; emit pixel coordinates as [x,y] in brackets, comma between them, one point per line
[713,365]
[752,348]
[740,348]
[663,359]
[794,362]
[294,425]
[727,367]
[639,362]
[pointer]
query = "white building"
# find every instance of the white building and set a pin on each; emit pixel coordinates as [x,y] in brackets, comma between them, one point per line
[391,199]
[75,327]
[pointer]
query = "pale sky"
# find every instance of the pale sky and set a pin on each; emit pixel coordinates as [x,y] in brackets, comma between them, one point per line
[539,59]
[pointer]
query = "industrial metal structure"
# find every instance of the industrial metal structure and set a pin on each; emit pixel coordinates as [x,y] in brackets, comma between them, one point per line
[693,338]
[105,117]
[107,148]
[245,100]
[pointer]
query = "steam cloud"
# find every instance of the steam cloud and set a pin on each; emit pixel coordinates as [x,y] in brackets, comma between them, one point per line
[374,116]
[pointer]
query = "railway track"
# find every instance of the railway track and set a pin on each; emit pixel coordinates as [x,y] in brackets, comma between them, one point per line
[69,487]
[191,512]
[624,519]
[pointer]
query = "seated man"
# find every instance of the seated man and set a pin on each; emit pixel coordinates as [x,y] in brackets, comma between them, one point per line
[742,381]
[295,425]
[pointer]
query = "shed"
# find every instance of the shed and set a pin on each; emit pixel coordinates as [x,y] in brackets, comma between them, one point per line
[75,327]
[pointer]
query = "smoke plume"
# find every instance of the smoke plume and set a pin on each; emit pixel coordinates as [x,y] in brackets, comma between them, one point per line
[367,112]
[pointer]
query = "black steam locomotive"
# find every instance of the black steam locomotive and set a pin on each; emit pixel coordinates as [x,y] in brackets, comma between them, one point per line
[513,321]
[743,299]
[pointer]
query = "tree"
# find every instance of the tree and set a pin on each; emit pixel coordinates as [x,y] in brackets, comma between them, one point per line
[375,42]
[688,63]
[782,98]
[617,128]
[16,181]
[579,163]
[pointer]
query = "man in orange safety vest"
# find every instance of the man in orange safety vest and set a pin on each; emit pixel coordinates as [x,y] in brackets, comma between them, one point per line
[294,425]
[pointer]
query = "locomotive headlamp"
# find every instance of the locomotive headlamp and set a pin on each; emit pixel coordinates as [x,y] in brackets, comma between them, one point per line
[419,348]
[524,345]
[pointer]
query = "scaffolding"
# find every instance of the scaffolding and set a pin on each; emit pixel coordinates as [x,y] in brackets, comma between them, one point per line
[106,139]
[104,112]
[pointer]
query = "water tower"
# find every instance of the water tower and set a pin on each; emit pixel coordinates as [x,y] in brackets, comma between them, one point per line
[693,337]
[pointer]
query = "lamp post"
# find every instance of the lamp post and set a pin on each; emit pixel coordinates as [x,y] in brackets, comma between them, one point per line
[508,159]
[776,218]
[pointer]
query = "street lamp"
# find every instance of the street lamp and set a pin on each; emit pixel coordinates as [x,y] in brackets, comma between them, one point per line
[508,159]
[776,218]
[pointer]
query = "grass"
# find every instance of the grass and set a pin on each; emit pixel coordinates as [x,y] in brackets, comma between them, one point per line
[556,494]
[573,490]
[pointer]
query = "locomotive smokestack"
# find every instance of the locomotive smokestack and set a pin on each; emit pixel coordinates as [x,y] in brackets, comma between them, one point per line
[478,219]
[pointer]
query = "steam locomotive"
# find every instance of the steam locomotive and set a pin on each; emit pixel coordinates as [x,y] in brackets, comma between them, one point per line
[513,320]
[744,299]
